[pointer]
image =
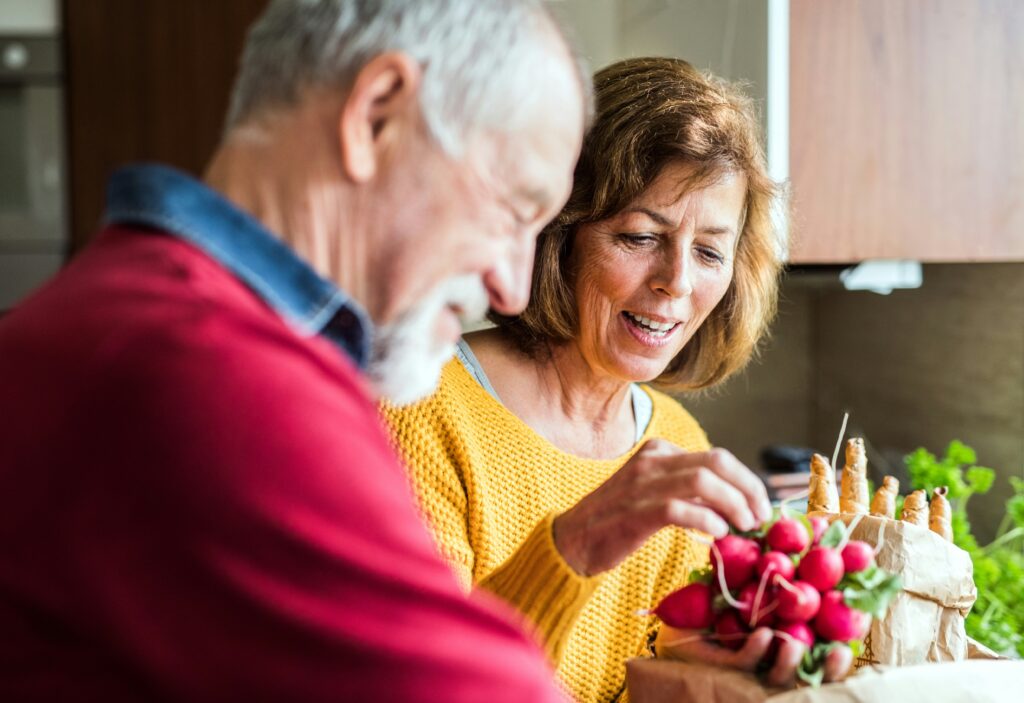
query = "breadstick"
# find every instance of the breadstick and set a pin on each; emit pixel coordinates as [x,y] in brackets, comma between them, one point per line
[823,496]
[940,519]
[854,496]
[915,509]
[884,502]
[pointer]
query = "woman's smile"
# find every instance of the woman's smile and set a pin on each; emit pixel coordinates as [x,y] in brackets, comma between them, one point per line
[649,331]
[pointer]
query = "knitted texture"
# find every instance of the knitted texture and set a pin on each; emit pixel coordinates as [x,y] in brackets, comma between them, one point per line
[490,486]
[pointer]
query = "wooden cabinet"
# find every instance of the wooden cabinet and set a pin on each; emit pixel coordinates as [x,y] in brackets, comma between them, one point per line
[145,81]
[907,130]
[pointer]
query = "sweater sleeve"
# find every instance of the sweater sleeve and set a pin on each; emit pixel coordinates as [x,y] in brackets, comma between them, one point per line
[542,586]
[535,579]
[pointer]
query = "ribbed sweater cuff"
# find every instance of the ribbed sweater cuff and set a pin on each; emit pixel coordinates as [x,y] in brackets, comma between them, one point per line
[542,586]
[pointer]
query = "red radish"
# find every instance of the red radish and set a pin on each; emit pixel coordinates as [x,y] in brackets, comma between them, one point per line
[857,555]
[765,615]
[739,556]
[822,567]
[800,631]
[776,563]
[838,621]
[732,633]
[797,601]
[689,607]
[819,525]
[788,535]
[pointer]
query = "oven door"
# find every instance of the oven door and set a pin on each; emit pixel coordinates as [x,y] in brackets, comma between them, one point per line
[32,198]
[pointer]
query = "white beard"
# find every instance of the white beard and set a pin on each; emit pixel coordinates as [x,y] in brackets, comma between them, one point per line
[406,359]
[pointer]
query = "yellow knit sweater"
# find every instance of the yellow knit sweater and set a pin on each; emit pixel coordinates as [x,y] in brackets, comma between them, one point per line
[490,487]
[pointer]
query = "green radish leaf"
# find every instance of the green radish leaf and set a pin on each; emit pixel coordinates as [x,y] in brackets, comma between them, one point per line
[857,647]
[812,667]
[719,603]
[834,534]
[867,579]
[703,575]
[874,599]
[809,674]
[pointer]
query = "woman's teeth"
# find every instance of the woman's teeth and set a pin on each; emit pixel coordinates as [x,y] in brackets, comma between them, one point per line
[655,329]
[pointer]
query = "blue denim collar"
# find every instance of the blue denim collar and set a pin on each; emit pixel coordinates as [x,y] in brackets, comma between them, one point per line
[165,199]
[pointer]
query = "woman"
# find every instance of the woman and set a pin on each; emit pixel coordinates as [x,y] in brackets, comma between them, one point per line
[545,471]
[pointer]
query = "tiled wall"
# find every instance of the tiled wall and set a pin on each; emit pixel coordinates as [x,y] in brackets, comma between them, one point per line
[915,368]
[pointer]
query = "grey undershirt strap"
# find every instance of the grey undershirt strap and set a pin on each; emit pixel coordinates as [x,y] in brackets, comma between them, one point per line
[643,407]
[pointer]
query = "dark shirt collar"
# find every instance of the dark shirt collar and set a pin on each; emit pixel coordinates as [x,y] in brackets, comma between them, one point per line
[165,199]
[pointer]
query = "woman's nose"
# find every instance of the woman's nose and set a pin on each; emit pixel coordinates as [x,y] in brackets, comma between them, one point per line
[674,274]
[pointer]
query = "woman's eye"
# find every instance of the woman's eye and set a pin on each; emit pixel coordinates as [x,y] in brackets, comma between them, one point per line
[709,255]
[638,240]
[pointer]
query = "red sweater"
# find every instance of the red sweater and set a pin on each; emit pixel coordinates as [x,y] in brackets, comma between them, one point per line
[197,503]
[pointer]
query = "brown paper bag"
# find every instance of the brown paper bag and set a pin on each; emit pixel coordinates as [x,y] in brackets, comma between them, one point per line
[668,681]
[974,681]
[925,621]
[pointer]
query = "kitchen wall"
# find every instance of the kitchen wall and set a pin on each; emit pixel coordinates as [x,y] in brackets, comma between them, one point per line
[772,401]
[915,368]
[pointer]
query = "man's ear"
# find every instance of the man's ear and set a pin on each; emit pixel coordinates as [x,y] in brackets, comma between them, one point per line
[383,95]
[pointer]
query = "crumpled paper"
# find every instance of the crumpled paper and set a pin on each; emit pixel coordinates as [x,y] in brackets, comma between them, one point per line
[925,621]
[972,681]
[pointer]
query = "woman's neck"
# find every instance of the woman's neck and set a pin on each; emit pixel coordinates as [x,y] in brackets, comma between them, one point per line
[560,396]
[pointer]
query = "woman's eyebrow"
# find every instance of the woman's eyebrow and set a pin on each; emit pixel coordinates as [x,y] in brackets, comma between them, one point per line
[718,229]
[656,216]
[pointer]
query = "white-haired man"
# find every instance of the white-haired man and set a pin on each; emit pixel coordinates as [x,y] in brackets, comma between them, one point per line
[196,499]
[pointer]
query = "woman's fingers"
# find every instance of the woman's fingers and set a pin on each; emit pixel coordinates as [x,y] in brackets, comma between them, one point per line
[661,485]
[696,517]
[697,646]
[753,650]
[787,659]
[713,491]
[687,477]
[736,473]
[838,663]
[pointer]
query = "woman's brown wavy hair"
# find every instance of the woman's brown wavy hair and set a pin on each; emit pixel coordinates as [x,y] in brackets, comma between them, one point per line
[652,112]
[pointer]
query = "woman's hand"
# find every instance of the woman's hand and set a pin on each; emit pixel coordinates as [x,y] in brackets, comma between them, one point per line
[661,485]
[693,645]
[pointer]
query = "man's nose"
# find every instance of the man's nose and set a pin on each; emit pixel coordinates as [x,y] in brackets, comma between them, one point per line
[508,280]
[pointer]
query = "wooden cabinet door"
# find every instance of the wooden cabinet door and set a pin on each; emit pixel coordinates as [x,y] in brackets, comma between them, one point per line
[907,130]
[146,80]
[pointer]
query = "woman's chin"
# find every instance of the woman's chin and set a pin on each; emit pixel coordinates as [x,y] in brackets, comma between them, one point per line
[642,372]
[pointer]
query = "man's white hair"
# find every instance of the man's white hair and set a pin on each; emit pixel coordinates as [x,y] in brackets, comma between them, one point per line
[479,57]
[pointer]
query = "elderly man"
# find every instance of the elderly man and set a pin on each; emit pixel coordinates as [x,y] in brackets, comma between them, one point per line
[196,499]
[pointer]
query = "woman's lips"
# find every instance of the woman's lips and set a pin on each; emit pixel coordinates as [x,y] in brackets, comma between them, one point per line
[646,335]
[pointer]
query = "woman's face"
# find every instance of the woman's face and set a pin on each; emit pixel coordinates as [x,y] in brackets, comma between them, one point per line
[648,277]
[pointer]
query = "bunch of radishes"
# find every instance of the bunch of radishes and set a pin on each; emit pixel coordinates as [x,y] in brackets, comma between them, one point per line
[801,577]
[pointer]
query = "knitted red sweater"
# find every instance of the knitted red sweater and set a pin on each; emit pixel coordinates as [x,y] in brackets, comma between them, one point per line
[197,503]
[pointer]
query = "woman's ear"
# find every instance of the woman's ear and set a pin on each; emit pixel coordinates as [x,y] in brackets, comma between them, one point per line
[382,102]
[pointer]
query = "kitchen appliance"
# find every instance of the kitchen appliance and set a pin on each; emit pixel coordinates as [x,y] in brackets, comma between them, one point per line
[32,163]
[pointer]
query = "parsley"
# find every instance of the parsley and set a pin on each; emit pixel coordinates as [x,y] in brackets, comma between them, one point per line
[997,618]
